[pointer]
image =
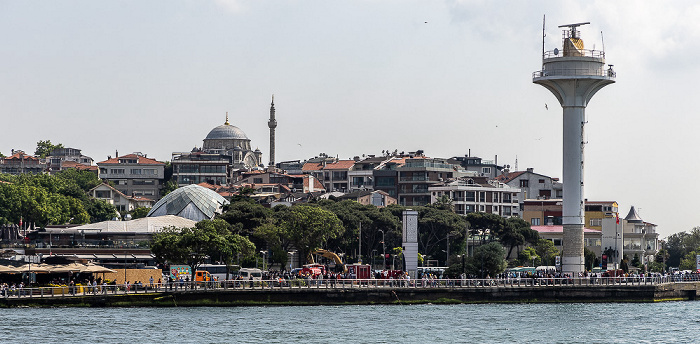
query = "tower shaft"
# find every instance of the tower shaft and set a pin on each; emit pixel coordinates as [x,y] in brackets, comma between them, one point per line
[573,78]
[272,124]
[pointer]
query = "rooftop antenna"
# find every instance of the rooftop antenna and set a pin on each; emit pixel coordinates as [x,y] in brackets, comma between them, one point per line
[602,41]
[543,35]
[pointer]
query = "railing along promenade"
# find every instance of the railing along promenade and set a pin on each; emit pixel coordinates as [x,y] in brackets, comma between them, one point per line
[369,284]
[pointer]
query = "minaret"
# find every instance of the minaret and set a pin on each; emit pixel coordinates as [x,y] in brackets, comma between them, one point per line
[573,75]
[272,123]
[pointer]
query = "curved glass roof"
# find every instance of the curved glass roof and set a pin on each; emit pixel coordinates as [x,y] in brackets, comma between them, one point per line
[192,202]
[226,131]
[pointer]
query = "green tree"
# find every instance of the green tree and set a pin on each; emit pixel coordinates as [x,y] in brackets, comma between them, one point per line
[44,148]
[546,251]
[226,245]
[193,246]
[168,187]
[139,212]
[99,210]
[515,233]
[688,262]
[528,256]
[444,202]
[434,227]
[636,262]
[591,259]
[488,259]
[486,225]
[309,227]
[372,219]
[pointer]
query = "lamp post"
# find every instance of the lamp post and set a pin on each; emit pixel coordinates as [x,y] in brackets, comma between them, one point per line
[374,253]
[383,251]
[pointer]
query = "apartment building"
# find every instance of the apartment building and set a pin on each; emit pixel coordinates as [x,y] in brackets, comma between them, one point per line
[478,194]
[134,175]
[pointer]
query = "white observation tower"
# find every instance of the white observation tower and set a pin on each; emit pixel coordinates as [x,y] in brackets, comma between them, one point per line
[573,75]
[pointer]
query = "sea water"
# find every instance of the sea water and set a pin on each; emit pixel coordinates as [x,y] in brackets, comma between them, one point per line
[668,322]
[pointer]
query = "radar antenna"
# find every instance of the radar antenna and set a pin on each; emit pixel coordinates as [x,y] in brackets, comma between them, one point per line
[573,27]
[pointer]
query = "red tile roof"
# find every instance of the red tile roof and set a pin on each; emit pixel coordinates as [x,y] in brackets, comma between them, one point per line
[506,178]
[25,156]
[339,165]
[141,160]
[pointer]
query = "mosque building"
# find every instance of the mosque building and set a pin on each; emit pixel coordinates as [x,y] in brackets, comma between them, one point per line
[225,153]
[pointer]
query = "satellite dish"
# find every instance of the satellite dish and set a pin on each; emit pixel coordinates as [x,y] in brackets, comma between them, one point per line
[556,51]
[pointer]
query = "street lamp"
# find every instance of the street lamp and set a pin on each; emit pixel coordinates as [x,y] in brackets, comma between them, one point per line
[383,250]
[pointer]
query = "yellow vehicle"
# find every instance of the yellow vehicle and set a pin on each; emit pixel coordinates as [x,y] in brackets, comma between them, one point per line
[202,276]
[339,266]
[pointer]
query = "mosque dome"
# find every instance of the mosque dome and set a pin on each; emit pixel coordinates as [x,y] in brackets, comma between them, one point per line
[191,202]
[226,132]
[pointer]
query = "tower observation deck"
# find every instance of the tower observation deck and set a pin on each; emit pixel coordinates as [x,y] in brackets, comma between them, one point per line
[573,74]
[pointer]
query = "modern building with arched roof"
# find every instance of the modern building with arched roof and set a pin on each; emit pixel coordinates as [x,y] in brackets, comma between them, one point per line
[191,202]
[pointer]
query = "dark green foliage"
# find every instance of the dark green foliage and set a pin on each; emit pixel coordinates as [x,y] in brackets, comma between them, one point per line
[44,148]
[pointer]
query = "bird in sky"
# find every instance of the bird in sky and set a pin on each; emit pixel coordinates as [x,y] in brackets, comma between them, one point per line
[546,107]
[299,144]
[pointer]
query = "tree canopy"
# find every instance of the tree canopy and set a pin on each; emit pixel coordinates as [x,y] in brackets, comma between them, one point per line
[208,239]
[44,148]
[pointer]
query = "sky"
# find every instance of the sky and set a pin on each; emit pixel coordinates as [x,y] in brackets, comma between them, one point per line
[450,77]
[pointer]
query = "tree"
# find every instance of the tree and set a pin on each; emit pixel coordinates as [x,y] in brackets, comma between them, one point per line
[193,246]
[139,212]
[168,187]
[516,232]
[44,148]
[547,251]
[486,225]
[226,245]
[435,226]
[488,259]
[528,256]
[370,218]
[591,259]
[99,210]
[309,227]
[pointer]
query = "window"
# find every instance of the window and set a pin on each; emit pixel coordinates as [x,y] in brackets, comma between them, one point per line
[495,197]
[535,221]
[103,170]
[486,170]
[541,181]
[149,171]
[596,222]
[257,180]
[557,242]
[506,211]
[524,183]
[471,196]
[135,171]
[116,171]
[482,197]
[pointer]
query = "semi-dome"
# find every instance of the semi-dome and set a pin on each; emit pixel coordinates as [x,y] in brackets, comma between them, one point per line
[226,132]
[192,202]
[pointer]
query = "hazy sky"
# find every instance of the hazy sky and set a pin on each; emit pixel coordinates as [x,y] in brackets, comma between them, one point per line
[357,77]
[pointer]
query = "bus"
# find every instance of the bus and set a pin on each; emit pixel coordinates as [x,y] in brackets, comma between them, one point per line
[218,272]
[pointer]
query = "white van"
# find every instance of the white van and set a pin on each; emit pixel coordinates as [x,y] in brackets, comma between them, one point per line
[250,274]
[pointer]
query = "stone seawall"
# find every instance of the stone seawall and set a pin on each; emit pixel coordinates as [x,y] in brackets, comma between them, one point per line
[360,296]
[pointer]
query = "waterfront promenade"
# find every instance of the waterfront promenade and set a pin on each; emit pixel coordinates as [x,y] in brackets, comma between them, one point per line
[368,291]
